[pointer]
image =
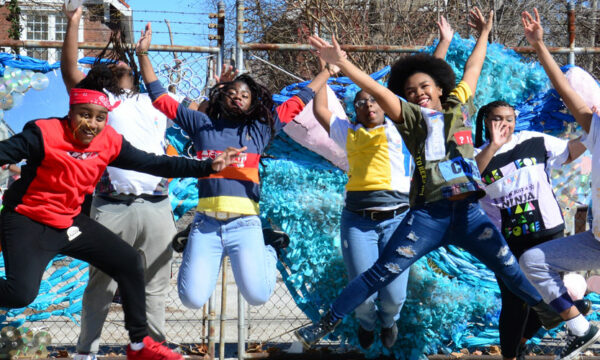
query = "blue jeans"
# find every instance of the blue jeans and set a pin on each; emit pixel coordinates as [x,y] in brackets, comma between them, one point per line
[425,228]
[252,262]
[363,241]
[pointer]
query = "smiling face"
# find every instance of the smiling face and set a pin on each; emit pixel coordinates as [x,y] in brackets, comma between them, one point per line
[238,97]
[422,90]
[368,111]
[87,121]
[505,114]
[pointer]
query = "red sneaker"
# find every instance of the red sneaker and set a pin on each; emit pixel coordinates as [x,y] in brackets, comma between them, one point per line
[152,350]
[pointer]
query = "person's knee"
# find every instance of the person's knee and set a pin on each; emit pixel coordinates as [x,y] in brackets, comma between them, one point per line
[132,261]
[22,297]
[260,297]
[195,299]
[531,259]
[393,302]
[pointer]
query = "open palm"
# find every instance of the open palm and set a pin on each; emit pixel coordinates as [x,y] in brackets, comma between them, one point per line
[534,32]
[330,53]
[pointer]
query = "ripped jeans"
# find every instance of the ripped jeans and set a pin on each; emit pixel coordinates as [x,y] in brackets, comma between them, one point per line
[427,227]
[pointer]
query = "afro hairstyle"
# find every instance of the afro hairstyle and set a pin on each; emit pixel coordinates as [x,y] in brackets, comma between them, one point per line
[438,69]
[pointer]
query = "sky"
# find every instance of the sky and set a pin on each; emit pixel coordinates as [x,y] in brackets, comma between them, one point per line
[189,22]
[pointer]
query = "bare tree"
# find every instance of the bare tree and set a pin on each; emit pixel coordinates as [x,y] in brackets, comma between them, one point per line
[396,22]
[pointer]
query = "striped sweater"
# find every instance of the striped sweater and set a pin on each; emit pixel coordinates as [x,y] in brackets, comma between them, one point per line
[237,188]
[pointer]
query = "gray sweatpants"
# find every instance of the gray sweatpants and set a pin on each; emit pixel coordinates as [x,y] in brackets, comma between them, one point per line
[543,264]
[147,226]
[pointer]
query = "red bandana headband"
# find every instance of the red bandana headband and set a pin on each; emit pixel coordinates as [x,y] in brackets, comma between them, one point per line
[85,96]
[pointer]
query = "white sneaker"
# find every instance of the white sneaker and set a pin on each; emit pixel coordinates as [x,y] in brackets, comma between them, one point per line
[84,357]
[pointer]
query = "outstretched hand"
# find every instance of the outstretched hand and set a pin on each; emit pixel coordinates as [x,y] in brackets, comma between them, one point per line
[534,32]
[478,22]
[145,40]
[330,53]
[228,74]
[74,15]
[445,29]
[333,70]
[228,157]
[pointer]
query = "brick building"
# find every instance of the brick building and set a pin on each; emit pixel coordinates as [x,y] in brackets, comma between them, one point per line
[44,20]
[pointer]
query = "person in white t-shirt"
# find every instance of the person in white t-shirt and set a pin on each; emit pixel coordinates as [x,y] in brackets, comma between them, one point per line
[543,264]
[515,169]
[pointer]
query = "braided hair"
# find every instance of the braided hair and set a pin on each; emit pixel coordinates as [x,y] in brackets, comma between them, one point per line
[100,78]
[120,51]
[261,103]
[481,115]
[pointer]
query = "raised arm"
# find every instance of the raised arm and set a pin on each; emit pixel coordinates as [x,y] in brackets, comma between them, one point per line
[446,34]
[576,105]
[68,58]
[475,61]
[333,54]
[320,108]
[141,50]
[321,102]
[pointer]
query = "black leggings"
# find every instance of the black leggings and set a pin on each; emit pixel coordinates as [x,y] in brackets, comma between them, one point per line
[28,246]
[517,321]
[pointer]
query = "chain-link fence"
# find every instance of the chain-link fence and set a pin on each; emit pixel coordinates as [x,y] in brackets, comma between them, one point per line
[187,71]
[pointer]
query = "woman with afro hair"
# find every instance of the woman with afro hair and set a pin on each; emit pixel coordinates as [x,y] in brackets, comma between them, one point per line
[226,222]
[435,124]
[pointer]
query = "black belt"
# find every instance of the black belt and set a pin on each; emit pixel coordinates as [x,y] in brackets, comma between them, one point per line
[380,215]
[129,199]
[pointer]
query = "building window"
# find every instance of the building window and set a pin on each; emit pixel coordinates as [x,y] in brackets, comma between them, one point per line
[44,26]
[60,27]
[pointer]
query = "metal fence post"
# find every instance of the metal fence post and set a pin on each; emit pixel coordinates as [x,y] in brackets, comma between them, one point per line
[212,304]
[222,317]
[241,326]
[239,35]
[571,17]
[221,36]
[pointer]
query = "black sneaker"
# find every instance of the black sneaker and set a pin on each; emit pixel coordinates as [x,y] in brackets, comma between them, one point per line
[310,334]
[389,336]
[180,239]
[551,319]
[365,337]
[576,344]
[277,239]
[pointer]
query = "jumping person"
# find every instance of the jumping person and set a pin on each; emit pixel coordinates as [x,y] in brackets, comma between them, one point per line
[376,198]
[133,205]
[544,263]
[515,169]
[41,216]
[435,124]
[239,112]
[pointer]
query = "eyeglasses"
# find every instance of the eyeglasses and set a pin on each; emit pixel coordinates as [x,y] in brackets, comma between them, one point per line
[363,102]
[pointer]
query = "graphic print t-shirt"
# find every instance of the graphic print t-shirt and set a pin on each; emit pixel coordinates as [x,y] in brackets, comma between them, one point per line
[519,197]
